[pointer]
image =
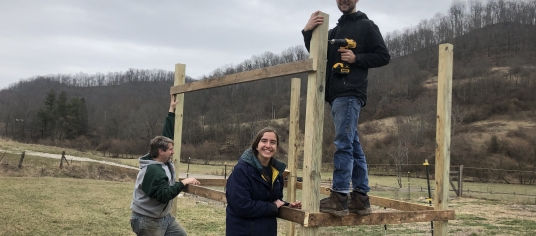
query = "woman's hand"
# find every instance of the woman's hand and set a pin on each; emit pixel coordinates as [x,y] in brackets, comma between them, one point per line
[279,203]
[296,204]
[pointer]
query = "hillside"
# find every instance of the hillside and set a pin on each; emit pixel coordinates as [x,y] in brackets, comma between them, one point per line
[494,108]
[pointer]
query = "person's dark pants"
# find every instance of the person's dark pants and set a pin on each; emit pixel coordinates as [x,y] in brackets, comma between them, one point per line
[147,226]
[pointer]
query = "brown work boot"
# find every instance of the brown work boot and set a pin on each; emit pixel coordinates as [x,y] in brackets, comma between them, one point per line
[336,204]
[359,204]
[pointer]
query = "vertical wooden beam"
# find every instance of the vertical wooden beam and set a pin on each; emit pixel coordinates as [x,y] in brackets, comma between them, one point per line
[180,78]
[294,130]
[442,161]
[460,181]
[314,122]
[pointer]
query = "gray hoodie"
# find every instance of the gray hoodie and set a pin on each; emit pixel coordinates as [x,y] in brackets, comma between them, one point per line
[155,188]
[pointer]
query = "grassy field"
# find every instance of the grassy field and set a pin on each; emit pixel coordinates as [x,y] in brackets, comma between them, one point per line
[93,199]
[67,206]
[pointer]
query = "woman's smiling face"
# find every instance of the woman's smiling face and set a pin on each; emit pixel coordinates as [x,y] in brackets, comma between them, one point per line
[267,146]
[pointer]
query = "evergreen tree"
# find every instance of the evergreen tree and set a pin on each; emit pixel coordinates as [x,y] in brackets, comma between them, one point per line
[46,114]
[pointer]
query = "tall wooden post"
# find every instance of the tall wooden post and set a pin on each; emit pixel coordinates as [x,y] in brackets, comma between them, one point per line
[442,161]
[314,122]
[294,130]
[180,78]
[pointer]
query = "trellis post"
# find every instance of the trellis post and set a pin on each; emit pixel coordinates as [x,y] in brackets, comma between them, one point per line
[314,122]
[180,78]
[443,119]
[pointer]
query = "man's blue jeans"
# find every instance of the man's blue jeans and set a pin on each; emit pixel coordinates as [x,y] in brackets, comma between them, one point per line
[349,160]
[147,226]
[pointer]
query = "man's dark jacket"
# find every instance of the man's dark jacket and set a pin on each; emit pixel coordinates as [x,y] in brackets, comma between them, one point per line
[251,209]
[370,52]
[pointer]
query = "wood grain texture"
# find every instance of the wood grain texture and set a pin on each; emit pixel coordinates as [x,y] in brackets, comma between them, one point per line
[247,76]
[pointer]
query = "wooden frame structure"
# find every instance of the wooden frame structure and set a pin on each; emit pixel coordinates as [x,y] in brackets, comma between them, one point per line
[309,216]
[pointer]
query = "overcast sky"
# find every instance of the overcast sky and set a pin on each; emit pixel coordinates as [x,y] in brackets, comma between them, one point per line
[70,36]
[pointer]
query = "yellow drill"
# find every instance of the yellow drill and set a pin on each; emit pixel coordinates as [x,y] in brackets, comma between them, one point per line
[342,67]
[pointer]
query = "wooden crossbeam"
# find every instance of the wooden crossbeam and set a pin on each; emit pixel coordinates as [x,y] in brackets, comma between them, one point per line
[211,182]
[374,200]
[248,76]
[317,219]
[206,193]
[398,205]
[384,202]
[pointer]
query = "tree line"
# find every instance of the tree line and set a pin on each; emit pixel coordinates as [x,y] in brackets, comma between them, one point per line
[462,17]
[493,76]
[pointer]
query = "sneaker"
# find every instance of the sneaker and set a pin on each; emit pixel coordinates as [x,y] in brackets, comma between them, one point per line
[359,204]
[336,204]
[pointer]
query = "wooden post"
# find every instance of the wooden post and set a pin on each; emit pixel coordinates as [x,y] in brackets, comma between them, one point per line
[180,78]
[3,155]
[294,130]
[21,159]
[442,154]
[460,181]
[314,122]
[63,158]
[61,161]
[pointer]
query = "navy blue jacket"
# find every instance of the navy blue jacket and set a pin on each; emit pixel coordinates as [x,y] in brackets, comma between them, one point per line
[370,52]
[250,199]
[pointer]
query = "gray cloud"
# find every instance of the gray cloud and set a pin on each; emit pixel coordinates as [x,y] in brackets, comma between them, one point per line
[68,37]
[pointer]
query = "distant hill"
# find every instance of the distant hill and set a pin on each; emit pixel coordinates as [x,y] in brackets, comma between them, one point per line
[494,108]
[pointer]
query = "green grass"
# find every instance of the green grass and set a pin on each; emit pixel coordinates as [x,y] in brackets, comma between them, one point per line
[78,204]
[66,206]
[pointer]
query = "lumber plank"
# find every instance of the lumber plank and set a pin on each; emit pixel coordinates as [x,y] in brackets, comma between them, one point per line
[318,219]
[294,130]
[212,194]
[211,182]
[180,78]
[379,218]
[314,122]
[398,205]
[247,76]
[384,202]
[443,125]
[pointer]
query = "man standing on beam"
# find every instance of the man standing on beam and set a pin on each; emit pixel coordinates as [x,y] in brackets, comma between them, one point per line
[356,45]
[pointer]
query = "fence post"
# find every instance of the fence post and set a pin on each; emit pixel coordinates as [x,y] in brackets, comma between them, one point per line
[225,170]
[188,168]
[409,187]
[460,181]
[21,159]
[426,164]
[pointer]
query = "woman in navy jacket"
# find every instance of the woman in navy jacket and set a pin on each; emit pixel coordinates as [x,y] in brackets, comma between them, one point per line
[255,189]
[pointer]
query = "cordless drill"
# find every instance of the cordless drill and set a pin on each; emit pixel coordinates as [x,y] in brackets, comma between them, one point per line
[342,67]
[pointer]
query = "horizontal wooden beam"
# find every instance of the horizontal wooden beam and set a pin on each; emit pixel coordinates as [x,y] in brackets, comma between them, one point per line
[398,205]
[384,202]
[316,219]
[212,194]
[211,182]
[247,76]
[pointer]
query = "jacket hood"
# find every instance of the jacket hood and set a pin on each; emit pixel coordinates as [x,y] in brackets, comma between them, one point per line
[354,16]
[147,160]
[250,158]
